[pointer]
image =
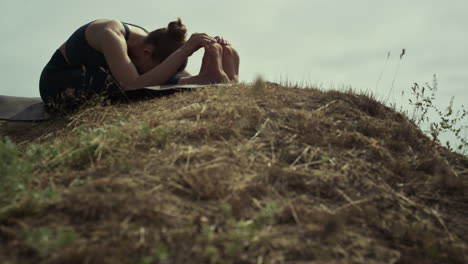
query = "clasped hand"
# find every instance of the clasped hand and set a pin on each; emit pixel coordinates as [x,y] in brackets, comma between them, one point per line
[199,40]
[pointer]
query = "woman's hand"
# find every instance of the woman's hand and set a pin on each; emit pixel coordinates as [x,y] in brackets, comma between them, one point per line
[221,41]
[197,41]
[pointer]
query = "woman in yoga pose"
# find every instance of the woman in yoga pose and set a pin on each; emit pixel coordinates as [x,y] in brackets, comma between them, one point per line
[109,56]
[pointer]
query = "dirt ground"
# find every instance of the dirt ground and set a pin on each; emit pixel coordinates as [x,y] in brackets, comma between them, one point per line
[245,174]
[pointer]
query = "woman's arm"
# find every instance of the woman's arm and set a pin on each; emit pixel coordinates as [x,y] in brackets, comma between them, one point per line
[114,47]
[124,71]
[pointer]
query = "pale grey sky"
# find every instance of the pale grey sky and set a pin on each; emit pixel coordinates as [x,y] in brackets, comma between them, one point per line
[335,43]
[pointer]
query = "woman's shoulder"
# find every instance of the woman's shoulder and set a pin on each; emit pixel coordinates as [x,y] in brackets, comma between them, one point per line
[98,29]
[122,28]
[103,24]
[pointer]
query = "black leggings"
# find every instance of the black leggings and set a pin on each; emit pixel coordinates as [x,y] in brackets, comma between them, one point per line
[84,82]
[58,76]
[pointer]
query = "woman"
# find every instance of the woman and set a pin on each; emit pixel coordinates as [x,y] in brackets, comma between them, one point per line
[109,56]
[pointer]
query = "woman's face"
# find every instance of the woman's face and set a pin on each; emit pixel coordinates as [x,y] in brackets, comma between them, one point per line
[145,61]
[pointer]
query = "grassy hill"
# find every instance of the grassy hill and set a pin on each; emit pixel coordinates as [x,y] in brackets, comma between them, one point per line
[247,174]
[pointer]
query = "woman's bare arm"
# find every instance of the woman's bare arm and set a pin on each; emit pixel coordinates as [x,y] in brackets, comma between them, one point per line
[114,47]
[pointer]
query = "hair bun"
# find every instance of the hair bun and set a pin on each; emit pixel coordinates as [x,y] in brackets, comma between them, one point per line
[177,30]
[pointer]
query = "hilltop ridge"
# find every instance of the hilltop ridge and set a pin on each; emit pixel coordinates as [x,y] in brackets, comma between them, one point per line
[245,174]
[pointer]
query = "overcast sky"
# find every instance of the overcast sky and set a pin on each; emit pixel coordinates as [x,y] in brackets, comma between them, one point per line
[326,42]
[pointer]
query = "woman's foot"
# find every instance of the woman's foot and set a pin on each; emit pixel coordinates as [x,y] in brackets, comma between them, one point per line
[211,71]
[214,64]
[231,61]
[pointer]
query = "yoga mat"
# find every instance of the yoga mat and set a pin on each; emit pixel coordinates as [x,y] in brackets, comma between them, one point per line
[185,86]
[22,109]
[15,108]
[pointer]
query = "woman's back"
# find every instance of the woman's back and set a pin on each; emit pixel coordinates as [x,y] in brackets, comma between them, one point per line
[83,46]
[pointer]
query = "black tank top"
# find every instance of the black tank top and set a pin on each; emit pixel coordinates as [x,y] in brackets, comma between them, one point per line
[79,52]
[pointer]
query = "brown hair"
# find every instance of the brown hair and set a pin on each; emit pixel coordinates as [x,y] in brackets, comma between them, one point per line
[167,40]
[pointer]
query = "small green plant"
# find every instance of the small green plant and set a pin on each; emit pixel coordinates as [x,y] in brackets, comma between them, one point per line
[90,145]
[147,260]
[15,171]
[449,120]
[43,154]
[160,135]
[233,237]
[94,143]
[44,240]
[16,193]
[160,254]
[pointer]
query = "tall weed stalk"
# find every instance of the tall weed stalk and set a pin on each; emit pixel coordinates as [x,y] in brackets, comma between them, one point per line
[448,120]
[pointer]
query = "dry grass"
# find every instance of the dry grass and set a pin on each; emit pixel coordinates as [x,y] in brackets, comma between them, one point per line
[247,174]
